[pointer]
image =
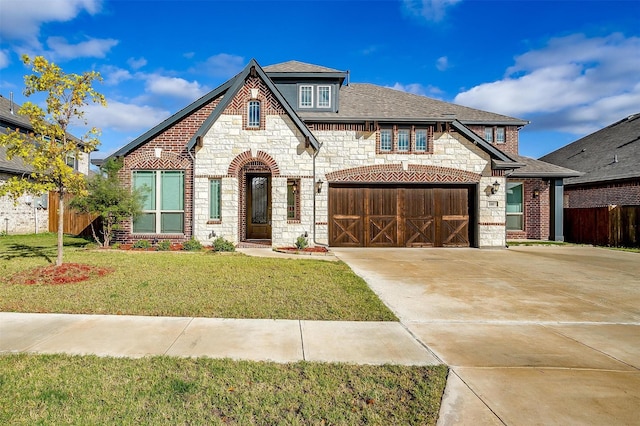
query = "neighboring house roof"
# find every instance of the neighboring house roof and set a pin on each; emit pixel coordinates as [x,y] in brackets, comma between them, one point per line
[363,101]
[9,117]
[532,168]
[13,166]
[611,153]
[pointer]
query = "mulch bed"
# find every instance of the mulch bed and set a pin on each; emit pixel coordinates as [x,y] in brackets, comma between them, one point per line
[67,273]
[315,249]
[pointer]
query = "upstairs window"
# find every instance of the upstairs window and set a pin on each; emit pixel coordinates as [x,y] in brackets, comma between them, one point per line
[71,161]
[324,96]
[499,134]
[306,97]
[385,140]
[253,114]
[403,140]
[421,140]
[488,134]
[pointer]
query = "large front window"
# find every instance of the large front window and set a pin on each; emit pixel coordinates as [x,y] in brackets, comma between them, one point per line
[515,209]
[163,206]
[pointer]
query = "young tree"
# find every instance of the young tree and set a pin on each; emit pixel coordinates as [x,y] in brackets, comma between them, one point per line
[46,150]
[110,200]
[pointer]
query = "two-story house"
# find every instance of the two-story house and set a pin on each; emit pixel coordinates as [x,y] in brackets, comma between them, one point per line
[296,149]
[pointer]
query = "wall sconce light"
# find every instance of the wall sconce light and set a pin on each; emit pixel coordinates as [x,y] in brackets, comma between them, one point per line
[319,186]
[536,193]
[294,187]
[495,187]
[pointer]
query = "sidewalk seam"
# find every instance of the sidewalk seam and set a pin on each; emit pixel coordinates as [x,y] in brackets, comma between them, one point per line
[178,336]
[304,356]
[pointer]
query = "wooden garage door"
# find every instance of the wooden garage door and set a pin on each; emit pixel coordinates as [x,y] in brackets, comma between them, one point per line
[399,217]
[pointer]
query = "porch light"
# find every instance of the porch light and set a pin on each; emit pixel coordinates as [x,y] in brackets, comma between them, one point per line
[294,187]
[495,187]
[536,193]
[319,186]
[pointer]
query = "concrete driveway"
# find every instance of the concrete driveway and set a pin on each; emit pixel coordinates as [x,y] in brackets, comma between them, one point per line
[533,335]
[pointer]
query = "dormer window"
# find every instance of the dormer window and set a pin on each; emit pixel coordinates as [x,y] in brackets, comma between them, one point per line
[324,96]
[306,97]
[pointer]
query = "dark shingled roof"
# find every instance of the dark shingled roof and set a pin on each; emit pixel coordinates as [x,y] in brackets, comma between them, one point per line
[362,101]
[7,119]
[612,153]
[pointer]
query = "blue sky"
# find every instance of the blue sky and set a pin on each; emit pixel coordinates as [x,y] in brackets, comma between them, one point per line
[569,67]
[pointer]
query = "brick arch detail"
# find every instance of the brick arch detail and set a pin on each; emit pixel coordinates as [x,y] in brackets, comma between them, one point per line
[389,173]
[235,167]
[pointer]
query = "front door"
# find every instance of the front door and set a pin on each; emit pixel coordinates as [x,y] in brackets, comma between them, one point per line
[259,207]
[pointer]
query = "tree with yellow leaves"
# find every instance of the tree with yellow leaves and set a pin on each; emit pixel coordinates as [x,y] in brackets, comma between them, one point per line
[46,149]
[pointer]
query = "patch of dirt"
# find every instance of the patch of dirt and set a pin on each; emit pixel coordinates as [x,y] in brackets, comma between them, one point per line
[315,249]
[67,273]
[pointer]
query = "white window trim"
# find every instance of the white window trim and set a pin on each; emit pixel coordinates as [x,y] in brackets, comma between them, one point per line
[249,124]
[390,131]
[304,86]
[504,135]
[319,97]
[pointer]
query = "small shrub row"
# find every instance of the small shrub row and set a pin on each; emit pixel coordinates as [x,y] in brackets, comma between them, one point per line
[219,244]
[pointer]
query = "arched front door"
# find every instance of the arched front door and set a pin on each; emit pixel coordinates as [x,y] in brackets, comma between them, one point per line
[258,206]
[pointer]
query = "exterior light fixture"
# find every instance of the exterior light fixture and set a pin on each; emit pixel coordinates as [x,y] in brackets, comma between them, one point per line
[294,187]
[495,187]
[536,193]
[319,186]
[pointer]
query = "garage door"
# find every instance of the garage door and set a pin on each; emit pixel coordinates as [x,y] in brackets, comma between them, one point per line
[375,216]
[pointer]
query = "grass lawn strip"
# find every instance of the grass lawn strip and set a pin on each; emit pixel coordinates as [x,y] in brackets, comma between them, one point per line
[60,389]
[201,284]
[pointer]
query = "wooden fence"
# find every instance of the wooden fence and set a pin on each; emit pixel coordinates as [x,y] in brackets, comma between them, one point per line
[617,226]
[74,223]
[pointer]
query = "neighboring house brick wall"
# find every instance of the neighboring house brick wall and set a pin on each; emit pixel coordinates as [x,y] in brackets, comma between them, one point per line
[615,193]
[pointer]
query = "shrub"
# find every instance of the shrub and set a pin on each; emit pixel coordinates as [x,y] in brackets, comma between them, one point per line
[220,244]
[142,244]
[192,245]
[164,245]
[115,246]
[301,242]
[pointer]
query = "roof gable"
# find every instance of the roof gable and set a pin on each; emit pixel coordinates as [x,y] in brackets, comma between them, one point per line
[236,85]
[611,153]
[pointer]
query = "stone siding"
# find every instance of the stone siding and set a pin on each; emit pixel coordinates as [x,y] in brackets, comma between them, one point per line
[25,217]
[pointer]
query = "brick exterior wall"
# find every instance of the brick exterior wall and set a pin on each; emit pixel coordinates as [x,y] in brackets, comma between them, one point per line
[536,211]
[173,156]
[510,145]
[622,193]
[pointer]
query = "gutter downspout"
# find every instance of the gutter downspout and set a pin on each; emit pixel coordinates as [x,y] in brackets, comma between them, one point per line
[313,188]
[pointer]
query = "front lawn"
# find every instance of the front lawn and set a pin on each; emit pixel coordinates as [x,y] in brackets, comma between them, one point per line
[59,389]
[201,284]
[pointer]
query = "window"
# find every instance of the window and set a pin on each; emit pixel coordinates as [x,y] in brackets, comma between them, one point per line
[403,140]
[306,97]
[253,114]
[421,140]
[293,199]
[214,199]
[71,161]
[385,140]
[515,220]
[499,134]
[488,134]
[324,96]
[163,206]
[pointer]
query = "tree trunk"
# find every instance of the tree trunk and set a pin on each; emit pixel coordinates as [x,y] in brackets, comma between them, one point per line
[60,226]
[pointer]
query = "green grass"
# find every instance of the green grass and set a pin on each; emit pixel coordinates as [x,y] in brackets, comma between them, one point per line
[187,284]
[57,389]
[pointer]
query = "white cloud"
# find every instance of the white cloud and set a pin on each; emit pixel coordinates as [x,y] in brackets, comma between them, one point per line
[174,86]
[124,117]
[92,48]
[136,63]
[21,19]
[572,83]
[442,64]
[431,10]
[4,59]
[113,75]
[223,65]
[418,89]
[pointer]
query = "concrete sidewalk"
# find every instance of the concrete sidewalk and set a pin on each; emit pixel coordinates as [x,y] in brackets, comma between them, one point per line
[247,339]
